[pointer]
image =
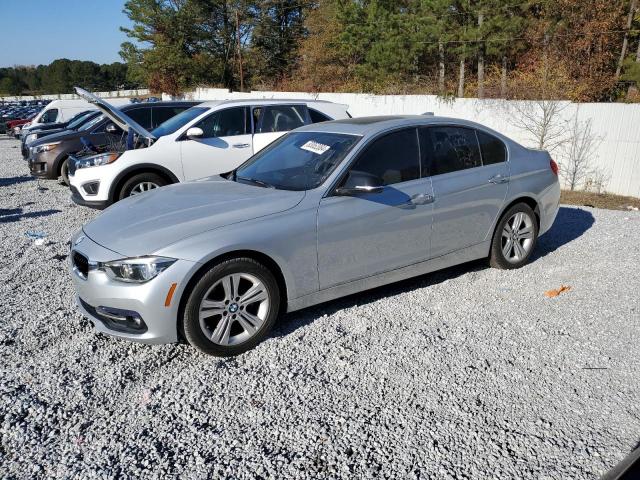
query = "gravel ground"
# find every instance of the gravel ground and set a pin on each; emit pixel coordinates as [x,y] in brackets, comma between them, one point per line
[466,373]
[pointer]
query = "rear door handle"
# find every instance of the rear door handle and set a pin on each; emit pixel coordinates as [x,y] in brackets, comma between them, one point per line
[499,179]
[241,145]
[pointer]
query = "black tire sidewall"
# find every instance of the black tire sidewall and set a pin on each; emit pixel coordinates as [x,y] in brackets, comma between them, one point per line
[64,171]
[497,258]
[190,322]
[128,185]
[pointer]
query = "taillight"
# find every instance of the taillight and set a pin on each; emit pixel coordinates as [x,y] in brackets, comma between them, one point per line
[554,166]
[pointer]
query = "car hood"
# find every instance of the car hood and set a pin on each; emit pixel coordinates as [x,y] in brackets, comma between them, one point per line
[116,115]
[57,137]
[142,225]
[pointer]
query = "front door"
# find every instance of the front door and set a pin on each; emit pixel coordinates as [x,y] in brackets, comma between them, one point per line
[227,142]
[469,184]
[360,236]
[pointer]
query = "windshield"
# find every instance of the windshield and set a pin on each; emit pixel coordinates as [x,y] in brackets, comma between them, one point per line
[91,123]
[178,121]
[297,161]
[79,120]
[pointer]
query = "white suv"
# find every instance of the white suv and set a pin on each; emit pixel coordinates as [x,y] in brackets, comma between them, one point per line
[208,139]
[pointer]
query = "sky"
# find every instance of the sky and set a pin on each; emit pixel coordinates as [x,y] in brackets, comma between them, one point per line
[39,31]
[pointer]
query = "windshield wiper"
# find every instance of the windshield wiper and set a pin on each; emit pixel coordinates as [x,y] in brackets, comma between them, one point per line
[257,182]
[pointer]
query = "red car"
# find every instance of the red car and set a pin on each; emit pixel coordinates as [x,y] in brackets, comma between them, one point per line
[17,123]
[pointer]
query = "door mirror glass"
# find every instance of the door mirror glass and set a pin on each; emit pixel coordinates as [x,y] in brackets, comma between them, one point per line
[358,183]
[195,132]
[112,128]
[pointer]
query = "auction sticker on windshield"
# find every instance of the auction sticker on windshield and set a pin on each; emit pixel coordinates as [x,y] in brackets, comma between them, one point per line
[315,147]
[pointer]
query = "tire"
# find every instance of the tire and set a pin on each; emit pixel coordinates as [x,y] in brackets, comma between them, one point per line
[224,329]
[133,185]
[64,171]
[512,249]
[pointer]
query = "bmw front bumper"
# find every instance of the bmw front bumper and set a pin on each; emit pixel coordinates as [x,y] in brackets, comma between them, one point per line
[114,306]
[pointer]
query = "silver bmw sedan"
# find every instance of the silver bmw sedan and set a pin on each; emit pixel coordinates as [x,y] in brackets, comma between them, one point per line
[327,210]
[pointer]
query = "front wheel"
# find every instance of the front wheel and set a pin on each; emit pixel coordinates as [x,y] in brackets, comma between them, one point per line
[515,238]
[64,171]
[140,183]
[232,308]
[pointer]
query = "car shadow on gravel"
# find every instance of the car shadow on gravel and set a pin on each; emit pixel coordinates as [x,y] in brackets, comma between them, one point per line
[570,224]
[6,182]
[9,215]
[292,321]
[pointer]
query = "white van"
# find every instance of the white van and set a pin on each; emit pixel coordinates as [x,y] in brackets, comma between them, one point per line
[207,139]
[60,111]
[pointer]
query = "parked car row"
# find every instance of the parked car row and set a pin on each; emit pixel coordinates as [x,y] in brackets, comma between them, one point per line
[270,206]
[13,115]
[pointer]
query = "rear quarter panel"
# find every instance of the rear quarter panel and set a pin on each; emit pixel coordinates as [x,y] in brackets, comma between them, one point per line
[531,176]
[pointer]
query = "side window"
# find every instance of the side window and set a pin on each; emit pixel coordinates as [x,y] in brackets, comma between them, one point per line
[225,123]
[49,116]
[282,118]
[162,114]
[317,117]
[393,158]
[448,149]
[141,116]
[492,148]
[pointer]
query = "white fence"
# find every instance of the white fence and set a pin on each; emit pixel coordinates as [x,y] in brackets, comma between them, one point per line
[73,96]
[616,126]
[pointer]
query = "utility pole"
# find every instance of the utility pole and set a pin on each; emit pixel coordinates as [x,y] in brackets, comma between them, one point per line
[239,52]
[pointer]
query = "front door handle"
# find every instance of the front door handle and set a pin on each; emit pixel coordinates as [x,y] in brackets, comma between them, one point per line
[241,145]
[421,199]
[496,179]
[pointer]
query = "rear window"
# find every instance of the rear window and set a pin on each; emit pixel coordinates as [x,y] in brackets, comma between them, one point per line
[317,117]
[492,148]
[449,149]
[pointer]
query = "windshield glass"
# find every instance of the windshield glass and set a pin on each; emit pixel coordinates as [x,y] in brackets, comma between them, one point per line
[79,120]
[91,123]
[297,161]
[178,121]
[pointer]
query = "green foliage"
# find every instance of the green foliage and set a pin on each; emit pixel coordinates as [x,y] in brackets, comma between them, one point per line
[61,75]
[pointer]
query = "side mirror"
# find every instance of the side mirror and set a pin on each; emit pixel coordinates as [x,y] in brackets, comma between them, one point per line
[359,183]
[112,128]
[195,132]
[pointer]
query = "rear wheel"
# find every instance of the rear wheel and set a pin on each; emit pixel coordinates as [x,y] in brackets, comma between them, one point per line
[515,238]
[140,183]
[232,308]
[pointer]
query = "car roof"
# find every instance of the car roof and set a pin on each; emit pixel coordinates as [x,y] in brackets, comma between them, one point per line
[131,106]
[371,125]
[262,101]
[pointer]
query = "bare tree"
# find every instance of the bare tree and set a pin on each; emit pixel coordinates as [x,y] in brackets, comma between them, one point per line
[578,154]
[541,120]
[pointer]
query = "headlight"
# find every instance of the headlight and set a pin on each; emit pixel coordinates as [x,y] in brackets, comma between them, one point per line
[47,147]
[136,270]
[97,160]
[31,137]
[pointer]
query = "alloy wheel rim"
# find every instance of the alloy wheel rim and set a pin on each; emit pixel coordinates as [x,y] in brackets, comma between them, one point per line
[143,187]
[234,309]
[517,237]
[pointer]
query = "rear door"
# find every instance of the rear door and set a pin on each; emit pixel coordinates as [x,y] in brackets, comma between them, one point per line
[227,142]
[273,121]
[470,184]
